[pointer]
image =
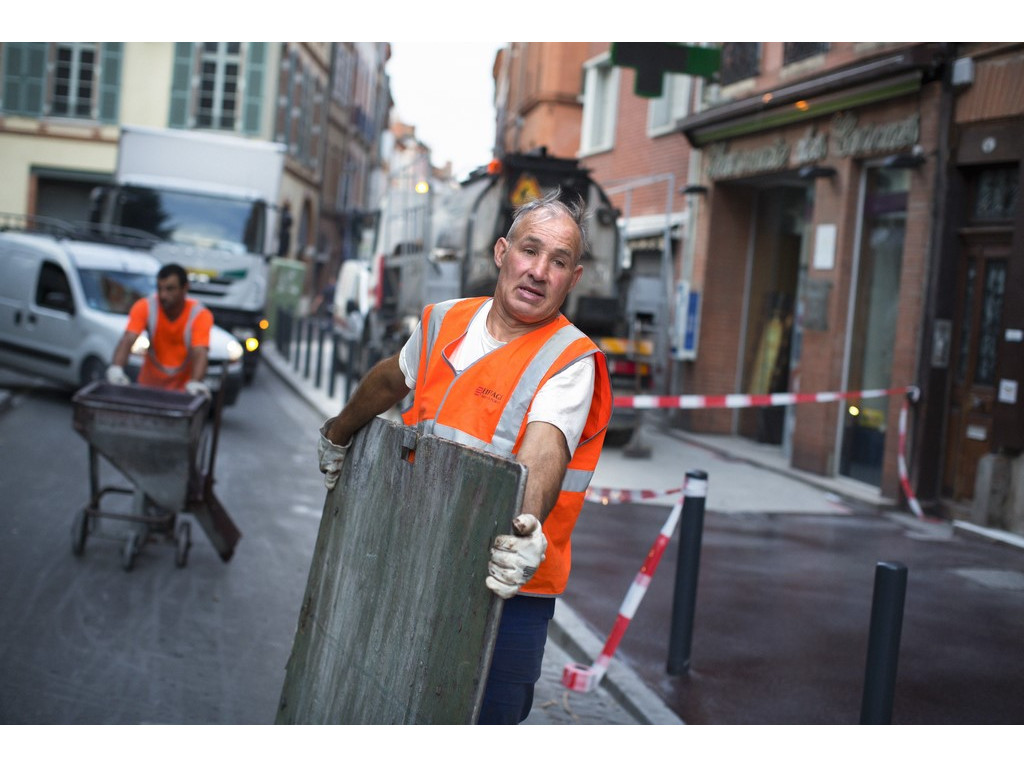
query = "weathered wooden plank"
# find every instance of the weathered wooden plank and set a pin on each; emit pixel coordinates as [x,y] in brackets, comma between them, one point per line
[397,625]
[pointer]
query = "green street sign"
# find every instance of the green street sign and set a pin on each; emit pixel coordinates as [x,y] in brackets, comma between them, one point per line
[652,60]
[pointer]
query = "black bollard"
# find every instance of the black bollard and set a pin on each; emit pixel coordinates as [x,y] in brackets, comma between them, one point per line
[308,325]
[321,334]
[335,363]
[883,643]
[684,599]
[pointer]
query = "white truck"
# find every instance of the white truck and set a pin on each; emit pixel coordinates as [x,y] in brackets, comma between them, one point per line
[379,298]
[211,201]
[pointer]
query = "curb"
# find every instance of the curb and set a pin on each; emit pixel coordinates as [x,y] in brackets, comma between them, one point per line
[625,686]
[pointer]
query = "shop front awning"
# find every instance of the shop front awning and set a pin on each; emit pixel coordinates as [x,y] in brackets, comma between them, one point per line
[862,83]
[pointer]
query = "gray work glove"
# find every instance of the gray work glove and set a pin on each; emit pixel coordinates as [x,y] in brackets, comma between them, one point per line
[116,375]
[514,559]
[199,388]
[331,457]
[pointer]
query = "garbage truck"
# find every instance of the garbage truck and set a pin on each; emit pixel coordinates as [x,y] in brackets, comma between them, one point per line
[210,202]
[415,260]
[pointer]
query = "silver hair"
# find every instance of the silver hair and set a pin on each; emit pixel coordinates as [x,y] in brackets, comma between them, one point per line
[553,203]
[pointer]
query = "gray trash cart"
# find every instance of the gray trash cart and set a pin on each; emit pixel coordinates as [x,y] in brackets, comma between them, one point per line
[164,443]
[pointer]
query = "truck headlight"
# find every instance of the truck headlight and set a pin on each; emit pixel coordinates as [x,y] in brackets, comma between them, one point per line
[234,350]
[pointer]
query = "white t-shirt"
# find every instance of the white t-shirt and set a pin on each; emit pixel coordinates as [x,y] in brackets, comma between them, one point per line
[563,401]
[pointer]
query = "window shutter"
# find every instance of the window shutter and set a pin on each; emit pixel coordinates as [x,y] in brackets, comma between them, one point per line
[24,78]
[255,67]
[181,86]
[110,82]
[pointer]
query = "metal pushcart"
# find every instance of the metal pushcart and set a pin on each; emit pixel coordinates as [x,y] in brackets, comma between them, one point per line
[164,443]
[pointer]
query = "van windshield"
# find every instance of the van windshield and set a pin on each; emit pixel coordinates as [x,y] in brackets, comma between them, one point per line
[114,291]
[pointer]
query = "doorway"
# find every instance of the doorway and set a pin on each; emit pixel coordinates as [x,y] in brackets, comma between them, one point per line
[981,290]
[780,224]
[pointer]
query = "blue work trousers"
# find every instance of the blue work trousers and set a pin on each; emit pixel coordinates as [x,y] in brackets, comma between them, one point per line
[516,664]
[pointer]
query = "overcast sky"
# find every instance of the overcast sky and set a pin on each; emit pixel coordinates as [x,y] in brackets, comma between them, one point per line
[446,91]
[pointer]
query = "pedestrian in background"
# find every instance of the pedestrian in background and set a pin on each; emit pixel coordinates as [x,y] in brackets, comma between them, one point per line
[179,337]
[555,426]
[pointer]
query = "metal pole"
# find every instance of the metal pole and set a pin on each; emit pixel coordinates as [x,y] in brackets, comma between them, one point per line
[883,643]
[321,332]
[308,325]
[684,599]
[335,363]
[296,343]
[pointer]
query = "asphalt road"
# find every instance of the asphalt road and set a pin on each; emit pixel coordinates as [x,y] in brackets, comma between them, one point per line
[84,642]
[783,613]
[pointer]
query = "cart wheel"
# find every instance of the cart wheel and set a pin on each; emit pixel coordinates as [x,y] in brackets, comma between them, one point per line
[183,540]
[130,550]
[79,531]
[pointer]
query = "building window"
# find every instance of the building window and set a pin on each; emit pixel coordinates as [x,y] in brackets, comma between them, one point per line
[218,86]
[600,102]
[76,80]
[793,52]
[995,194]
[219,71]
[672,105]
[740,61]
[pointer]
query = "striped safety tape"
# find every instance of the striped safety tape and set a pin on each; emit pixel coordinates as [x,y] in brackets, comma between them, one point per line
[646,402]
[579,677]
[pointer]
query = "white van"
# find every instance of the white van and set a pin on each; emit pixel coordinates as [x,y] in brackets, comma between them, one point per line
[64,304]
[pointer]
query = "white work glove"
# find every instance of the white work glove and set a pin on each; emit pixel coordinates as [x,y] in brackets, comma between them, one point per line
[116,375]
[331,456]
[199,388]
[514,559]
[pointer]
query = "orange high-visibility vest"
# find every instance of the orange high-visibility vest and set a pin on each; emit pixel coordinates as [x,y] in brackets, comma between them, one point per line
[485,407]
[166,364]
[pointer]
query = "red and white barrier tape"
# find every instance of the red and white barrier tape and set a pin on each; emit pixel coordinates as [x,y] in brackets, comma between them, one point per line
[901,459]
[579,677]
[643,402]
[625,495]
[621,496]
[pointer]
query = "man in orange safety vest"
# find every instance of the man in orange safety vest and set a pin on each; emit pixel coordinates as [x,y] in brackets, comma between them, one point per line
[508,374]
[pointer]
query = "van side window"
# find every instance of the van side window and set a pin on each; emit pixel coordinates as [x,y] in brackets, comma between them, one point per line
[53,290]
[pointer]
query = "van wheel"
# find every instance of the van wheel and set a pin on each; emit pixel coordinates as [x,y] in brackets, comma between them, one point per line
[93,369]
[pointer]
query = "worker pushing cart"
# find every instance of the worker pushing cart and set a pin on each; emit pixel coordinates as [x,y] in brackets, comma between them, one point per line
[159,434]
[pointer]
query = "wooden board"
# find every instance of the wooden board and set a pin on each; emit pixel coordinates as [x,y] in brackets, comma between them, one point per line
[397,625]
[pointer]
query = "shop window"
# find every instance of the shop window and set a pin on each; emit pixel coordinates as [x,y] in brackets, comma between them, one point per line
[873,332]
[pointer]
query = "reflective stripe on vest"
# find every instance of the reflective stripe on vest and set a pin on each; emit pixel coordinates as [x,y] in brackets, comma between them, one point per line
[154,315]
[507,431]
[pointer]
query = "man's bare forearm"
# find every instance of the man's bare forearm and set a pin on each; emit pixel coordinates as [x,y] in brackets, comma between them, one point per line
[546,456]
[383,387]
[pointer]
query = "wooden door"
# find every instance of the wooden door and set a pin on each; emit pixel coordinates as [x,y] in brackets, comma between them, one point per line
[981,287]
